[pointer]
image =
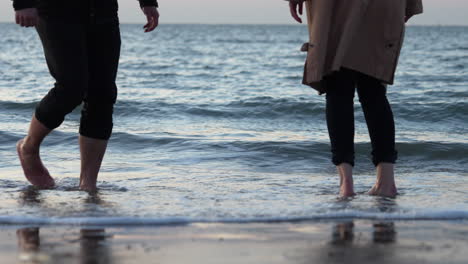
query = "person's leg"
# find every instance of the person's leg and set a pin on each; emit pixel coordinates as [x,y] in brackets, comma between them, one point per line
[29,156]
[64,52]
[92,153]
[96,119]
[381,126]
[340,88]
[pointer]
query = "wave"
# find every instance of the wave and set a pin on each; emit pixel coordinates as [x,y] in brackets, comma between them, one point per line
[58,138]
[145,141]
[268,107]
[7,137]
[446,94]
[417,150]
[432,149]
[259,107]
[432,111]
[9,105]
[428,215]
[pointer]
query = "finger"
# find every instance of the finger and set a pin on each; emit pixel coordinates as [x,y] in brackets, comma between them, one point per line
[26,21]
[148,25]
[153,26]
[34,20]
[17,19]
[22,21]
[155,22]
[149,22]
[29,21]
[293,9]
[301,7]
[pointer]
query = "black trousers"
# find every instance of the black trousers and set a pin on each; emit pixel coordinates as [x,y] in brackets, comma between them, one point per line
[340,89]
[83,57]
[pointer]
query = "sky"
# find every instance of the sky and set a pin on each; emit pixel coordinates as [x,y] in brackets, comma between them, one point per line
[437,12]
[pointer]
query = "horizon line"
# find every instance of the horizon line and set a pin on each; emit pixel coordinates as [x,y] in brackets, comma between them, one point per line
[259,24]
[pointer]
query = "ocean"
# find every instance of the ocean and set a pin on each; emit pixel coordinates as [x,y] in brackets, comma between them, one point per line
[212,124]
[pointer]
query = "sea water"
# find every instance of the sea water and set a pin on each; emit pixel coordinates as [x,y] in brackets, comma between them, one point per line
[212,124]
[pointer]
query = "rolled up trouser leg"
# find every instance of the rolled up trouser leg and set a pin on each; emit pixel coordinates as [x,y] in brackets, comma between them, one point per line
[65,49]
[104,52]
[96,121]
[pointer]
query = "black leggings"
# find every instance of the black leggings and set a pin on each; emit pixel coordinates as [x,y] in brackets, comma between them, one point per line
[340,88]
[83,58]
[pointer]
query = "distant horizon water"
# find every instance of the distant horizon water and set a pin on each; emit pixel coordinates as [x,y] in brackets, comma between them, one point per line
[258,24]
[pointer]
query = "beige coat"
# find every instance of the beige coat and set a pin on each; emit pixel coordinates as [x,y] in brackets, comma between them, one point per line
[363,35]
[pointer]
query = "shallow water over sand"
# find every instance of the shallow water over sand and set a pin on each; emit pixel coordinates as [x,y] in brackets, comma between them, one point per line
[212,124]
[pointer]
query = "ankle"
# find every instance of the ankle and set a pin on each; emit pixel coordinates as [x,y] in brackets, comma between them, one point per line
[384,184]
[28,145]
[87,185]
[88,188]
[345,171]
[385,165]
[385,172]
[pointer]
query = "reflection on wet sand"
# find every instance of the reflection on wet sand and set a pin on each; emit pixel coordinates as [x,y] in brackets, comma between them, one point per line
[343,233]
[28,239]
[93,242]
[352,241]
[350,246]
[383,232]
[93,247]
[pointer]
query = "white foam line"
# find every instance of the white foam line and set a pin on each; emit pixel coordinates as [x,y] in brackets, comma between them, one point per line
[136,221]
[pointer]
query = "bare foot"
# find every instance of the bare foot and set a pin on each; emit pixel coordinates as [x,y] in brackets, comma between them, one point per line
[345,171]
[383,190]
[33,168]
[88,187]
[385,185]
[346,190]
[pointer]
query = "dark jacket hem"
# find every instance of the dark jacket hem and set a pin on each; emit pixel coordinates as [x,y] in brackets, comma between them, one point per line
[23,4]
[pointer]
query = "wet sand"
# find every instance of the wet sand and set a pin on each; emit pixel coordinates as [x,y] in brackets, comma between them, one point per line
[359,241]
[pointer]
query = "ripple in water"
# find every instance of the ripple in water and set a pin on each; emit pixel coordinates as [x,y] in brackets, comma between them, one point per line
[216,127]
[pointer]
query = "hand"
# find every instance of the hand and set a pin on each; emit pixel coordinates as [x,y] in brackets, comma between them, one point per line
[152,16]
[294,7]
[27,17]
